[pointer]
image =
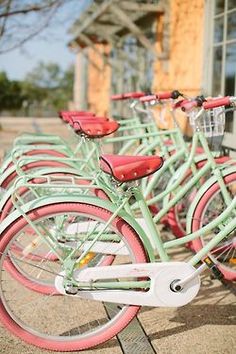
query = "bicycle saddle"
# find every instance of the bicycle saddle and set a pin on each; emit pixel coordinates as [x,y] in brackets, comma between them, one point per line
[74,121]
[130,168]
[68,115]
[95,128]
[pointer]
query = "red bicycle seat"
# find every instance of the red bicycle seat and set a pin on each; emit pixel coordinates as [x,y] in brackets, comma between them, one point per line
[67,115]
[130,168]
[94,128]
[74,121]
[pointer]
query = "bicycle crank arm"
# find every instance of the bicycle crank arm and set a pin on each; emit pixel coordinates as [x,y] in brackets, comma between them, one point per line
[161,276]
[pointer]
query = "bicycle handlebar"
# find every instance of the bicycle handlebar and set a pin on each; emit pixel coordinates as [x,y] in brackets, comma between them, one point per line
[167,95]
[130,95]
[179,103]
[189,105]
[217,102]
[127,96]
[148,98]
[161,96]
[117,97]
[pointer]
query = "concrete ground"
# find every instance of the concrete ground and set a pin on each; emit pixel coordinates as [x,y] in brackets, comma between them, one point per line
[206,326]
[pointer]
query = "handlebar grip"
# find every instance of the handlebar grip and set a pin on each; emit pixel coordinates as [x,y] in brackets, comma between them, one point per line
[164,95]
[117,97]
[187,106]
[167,95]
[148,98]
[179,104]
[129,95]
[217,102]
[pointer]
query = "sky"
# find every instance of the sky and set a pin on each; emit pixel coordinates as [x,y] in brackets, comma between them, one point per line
[49,46]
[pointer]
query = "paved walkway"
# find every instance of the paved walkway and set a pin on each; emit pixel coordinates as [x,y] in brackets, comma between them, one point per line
[206,326]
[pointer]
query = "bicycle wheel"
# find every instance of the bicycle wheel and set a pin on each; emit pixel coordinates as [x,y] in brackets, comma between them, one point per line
[64,323]
[177,214]
[209,207]
[36,250]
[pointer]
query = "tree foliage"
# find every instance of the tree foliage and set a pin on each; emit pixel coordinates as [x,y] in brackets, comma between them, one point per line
[11,96]
[51,80]
[46,75]
[23,20]
[47,86]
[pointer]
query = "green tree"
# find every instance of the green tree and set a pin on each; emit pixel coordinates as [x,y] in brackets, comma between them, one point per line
[45,75]
[11,96]
[46,88]
[52,85]
[24,20]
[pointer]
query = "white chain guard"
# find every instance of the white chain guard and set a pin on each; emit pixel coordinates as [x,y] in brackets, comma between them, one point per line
[161,276]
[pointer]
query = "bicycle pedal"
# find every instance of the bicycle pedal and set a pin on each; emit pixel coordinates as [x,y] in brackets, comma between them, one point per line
[216,272]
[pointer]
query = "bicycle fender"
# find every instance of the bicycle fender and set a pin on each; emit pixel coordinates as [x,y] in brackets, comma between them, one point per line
[6,162]
[45,171]
[6,174]
[202,191]
[180,172]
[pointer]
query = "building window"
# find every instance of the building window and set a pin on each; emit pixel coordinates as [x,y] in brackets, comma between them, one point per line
[224,53]
[220,57]
[135,63]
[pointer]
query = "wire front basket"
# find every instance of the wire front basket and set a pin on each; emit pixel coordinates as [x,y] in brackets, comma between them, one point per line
[211,122]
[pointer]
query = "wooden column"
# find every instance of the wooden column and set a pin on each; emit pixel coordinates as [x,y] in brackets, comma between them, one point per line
[80,82]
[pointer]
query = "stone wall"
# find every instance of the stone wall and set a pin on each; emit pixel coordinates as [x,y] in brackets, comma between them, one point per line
[99,78]
[182,70]
[180,35]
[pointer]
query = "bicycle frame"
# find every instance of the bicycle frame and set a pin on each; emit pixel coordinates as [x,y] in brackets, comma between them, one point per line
[173,187]
[151,238]
[160,274]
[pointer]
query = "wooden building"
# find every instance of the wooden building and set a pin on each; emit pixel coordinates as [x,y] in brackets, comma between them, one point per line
[123,46]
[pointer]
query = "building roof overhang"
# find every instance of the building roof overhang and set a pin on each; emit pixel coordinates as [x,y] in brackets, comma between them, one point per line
[107,22]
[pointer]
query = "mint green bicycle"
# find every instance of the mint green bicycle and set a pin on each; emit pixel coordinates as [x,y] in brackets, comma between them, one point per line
[175,182]
[92,301]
